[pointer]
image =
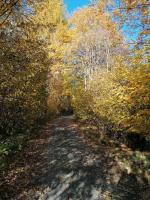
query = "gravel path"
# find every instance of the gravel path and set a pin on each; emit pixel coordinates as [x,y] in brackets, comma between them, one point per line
[60,165]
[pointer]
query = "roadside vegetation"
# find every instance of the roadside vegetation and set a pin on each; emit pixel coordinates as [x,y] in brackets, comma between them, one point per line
[86,65]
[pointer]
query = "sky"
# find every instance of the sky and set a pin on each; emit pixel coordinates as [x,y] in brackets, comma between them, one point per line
[72,5]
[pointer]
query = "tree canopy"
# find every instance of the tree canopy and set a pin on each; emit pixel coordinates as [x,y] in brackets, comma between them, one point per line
[51,64]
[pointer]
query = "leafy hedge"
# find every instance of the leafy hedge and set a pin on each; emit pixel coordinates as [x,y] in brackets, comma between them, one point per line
[119,98]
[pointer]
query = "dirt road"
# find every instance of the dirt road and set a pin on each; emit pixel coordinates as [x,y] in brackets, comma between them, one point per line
[60,165]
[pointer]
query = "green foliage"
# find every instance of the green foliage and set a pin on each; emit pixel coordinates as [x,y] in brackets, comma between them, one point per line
[11,146]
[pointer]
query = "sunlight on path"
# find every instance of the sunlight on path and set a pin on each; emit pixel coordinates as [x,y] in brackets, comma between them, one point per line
[78,172]
[60,165]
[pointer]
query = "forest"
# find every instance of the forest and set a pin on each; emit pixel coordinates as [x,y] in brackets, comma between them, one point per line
[93,64]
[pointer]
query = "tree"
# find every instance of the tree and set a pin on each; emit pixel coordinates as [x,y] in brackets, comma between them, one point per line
[10,9]
[105,79]
[58,99]
[24,61]
[93,46]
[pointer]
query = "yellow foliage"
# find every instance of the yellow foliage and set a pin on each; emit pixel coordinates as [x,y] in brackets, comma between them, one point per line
[120,97]
[24,61]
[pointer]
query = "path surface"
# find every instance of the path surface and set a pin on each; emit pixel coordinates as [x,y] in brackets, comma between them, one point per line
[60,165]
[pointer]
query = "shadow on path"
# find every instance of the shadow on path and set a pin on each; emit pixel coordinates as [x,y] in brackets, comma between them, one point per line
[67,167]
